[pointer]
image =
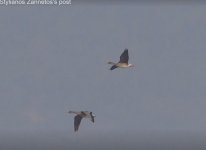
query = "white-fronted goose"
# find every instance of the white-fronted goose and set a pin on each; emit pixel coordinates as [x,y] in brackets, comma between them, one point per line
[123,62]
[79,116]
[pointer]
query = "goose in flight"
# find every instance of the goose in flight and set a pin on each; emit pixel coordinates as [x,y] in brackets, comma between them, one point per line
[79,116]
[123,62]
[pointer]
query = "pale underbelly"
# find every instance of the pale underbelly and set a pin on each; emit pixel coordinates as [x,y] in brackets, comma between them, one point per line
[122,65]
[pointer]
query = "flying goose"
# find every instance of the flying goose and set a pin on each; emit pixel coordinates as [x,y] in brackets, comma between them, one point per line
[79,116]
[123,62]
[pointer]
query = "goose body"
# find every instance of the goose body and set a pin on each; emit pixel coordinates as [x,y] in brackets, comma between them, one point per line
[79,116]
[123,62]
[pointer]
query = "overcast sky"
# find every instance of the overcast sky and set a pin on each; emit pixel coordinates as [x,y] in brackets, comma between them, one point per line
[54,59]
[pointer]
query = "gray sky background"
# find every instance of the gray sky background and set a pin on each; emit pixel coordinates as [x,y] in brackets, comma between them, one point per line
[54,59]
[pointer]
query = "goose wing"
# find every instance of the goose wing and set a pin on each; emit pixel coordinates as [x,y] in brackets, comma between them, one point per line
[92,118]
[124,57]
[113,67]
[77,121]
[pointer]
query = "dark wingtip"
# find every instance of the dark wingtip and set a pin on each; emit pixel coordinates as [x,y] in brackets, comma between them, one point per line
[113,67]
[75,129]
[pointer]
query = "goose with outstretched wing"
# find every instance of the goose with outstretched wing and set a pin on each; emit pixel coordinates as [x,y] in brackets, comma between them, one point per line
[123,62]
[79,116]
